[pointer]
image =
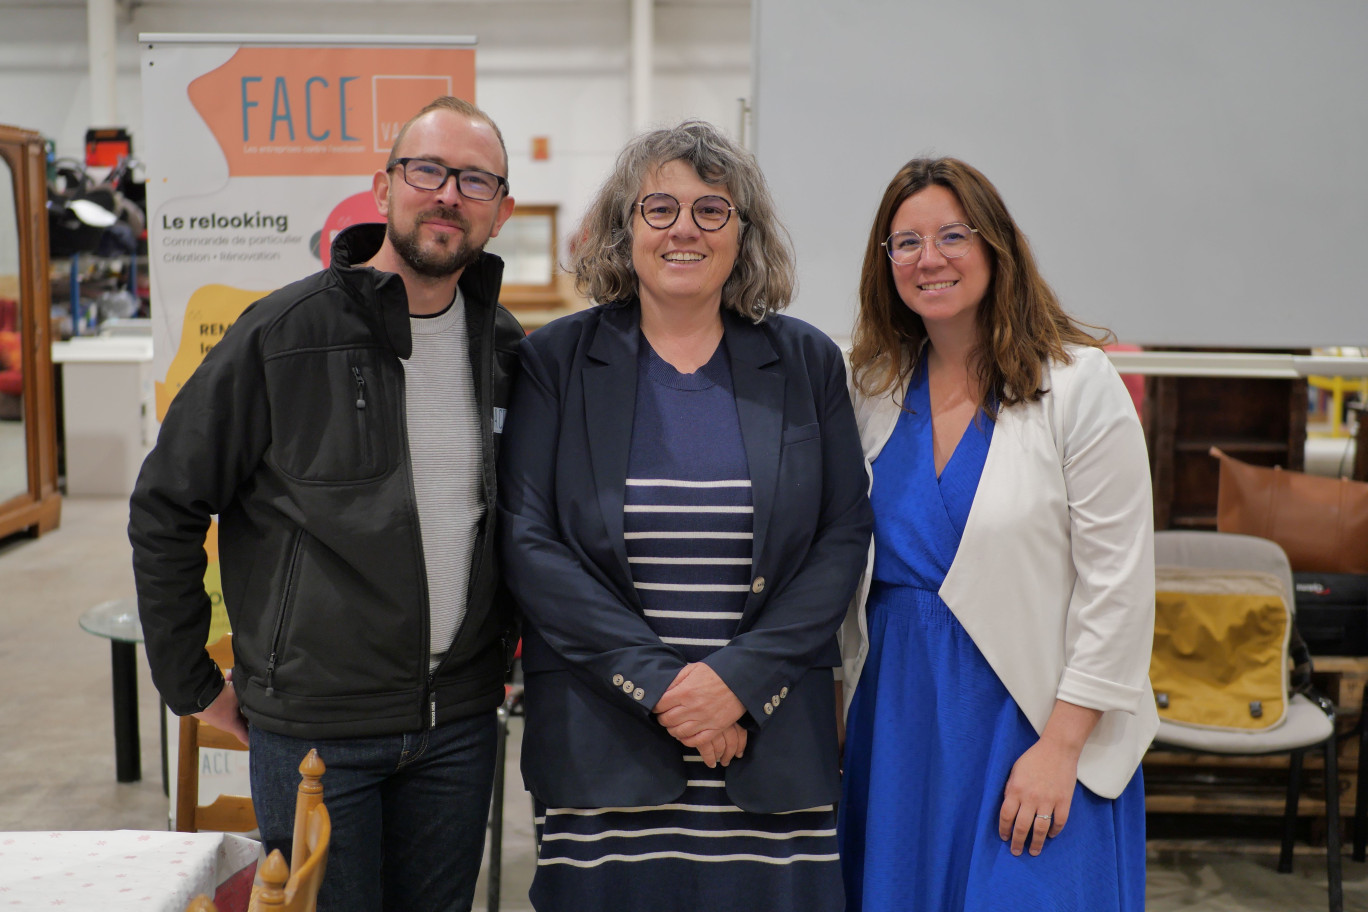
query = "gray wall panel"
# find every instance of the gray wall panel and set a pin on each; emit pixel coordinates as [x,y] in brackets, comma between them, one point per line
[1189,173]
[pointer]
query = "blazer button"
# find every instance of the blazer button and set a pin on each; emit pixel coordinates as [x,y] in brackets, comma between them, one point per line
[769,709]
[774,701]
[638,693]
[783,693]
[617,680]
[627,687]
[759,585]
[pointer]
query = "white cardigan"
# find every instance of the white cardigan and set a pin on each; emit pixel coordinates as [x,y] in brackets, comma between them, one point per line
[1054,578]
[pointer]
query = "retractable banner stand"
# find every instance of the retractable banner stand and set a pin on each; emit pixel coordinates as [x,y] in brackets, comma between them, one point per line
[258,149]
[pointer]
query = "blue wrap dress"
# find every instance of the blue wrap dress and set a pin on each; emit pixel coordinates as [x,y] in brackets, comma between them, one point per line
[932,733]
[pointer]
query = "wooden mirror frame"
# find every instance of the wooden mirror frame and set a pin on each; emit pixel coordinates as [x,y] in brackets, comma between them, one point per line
[540,294]
[39,509]
[538,304]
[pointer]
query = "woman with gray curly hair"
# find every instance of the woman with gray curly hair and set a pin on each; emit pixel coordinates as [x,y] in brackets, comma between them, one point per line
[682,518]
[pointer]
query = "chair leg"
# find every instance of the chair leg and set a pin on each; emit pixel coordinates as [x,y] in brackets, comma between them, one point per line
[496,801]
[1333,861]
[1294,771]
[1361,801]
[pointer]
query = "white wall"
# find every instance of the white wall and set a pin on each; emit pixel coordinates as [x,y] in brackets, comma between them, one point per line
[1188,173]
[555,68]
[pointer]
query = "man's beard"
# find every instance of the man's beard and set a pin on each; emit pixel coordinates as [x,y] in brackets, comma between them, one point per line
[434,262]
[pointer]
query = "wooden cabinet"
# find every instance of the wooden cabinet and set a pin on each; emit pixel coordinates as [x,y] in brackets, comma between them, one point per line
[1361,449]
[1257,420]
[29,499]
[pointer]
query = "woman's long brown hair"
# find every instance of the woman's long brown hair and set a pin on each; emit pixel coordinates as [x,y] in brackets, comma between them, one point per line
[1020,323]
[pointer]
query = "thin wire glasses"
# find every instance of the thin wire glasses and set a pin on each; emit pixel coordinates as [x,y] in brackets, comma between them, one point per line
[952,240]
[710,213]
[430,175]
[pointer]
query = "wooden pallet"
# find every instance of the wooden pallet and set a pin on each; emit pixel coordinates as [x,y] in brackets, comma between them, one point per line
[1182,783]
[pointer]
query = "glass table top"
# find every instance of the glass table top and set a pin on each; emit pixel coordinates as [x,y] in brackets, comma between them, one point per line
[116,619]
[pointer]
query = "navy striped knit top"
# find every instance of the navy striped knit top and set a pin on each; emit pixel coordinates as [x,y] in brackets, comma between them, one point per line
[688,504]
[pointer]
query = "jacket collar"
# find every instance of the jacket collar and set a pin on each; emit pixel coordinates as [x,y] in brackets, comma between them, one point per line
[382,294]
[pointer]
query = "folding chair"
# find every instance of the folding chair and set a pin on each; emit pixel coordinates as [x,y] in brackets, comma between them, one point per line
[1310,720]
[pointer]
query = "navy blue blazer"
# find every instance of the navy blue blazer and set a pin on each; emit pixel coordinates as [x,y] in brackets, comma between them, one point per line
[594,668]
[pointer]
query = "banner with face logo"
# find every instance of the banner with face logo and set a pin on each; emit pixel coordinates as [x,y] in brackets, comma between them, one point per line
[258,150]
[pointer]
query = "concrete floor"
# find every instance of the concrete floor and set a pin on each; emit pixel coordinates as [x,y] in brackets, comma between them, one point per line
[57,757]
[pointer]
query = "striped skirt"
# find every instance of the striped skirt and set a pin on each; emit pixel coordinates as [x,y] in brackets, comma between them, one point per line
[700,853]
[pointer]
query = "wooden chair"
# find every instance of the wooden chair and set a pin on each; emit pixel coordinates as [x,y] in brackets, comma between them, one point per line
[278,887]
[228,813]
[297,890]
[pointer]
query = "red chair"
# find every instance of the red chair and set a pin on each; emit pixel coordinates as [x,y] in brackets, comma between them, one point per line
[11,352]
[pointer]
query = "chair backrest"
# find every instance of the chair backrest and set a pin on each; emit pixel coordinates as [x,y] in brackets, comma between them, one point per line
[227,813]
[297,890]
[1224,551]
[1224,631]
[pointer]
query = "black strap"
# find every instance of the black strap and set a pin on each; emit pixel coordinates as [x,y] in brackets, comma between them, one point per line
[1300,653]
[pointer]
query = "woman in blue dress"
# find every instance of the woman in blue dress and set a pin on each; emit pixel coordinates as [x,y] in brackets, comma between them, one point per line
[997,656]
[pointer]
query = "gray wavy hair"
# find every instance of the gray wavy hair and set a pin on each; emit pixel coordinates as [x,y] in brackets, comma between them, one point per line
[762,280]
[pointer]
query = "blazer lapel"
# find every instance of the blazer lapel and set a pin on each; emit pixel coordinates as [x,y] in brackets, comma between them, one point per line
[610,381]
[760,409]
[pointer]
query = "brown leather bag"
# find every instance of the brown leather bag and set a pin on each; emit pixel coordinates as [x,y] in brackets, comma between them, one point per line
[1322,523]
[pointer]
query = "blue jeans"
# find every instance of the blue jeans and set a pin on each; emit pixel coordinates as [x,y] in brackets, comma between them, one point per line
[409,812]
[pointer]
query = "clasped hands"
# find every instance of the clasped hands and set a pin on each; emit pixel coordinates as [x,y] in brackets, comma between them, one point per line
[700,711]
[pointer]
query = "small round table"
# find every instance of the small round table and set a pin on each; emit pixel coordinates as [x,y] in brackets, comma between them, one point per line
[117,621]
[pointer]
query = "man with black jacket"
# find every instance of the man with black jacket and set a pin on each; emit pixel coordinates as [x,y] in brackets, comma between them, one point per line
[345,431]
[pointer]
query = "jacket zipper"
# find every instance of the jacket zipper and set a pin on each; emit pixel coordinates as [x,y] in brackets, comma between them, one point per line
[283,614]
[432,699]
[361,416]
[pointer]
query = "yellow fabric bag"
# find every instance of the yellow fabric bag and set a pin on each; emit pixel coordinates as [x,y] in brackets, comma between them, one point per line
[1220,655]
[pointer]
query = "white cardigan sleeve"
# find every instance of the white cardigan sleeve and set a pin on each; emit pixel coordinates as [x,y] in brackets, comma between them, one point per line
[1109,627]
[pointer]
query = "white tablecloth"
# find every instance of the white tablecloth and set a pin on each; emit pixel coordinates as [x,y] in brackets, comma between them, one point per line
[101,871]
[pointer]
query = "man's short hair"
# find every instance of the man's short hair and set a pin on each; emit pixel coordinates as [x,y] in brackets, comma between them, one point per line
[456,106]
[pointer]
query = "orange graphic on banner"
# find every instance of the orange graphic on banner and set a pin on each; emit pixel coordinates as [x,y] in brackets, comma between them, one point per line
[322,111]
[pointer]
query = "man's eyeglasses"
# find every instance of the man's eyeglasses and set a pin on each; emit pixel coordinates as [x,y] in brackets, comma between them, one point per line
[952,240]
[430,175]
[710,213]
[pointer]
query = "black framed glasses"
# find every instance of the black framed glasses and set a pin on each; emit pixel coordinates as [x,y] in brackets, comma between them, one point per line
[952,240]
[710,213]
[430,175]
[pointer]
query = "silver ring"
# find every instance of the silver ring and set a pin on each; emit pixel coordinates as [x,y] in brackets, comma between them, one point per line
[1044,816]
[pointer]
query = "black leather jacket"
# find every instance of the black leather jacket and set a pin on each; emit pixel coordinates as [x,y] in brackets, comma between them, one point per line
[292,430]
